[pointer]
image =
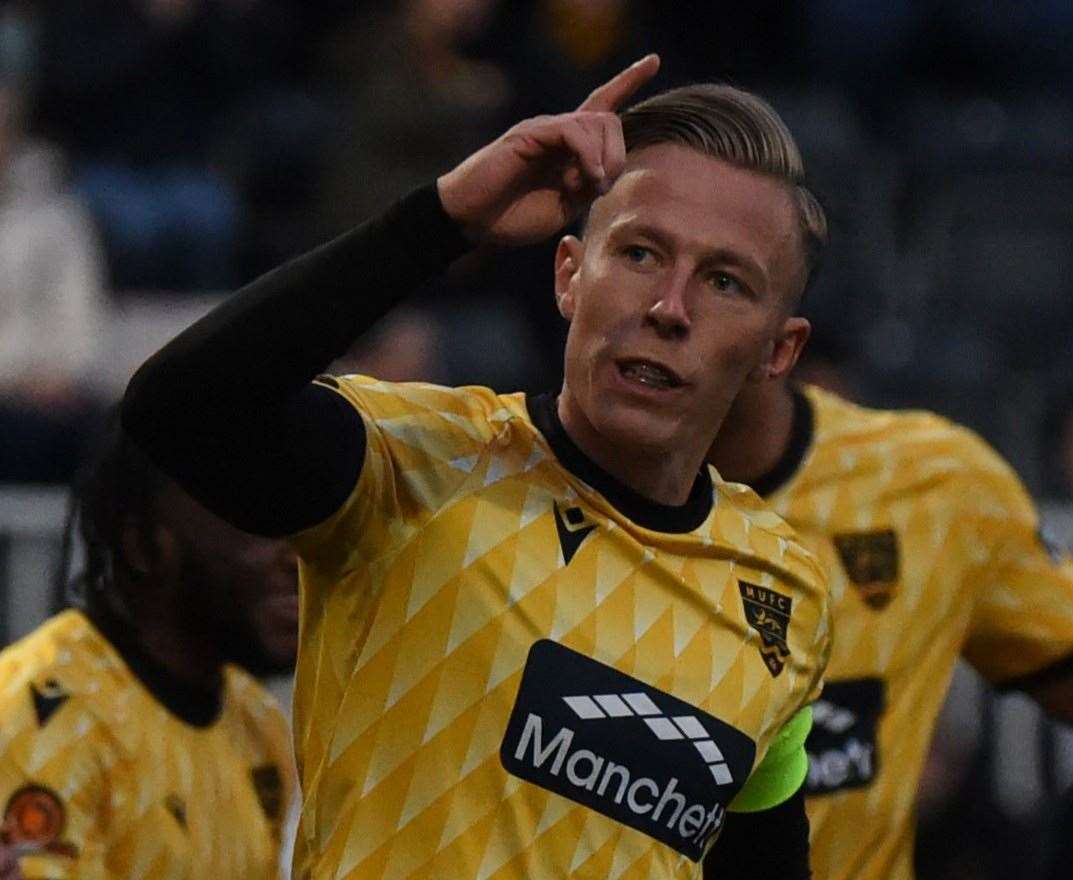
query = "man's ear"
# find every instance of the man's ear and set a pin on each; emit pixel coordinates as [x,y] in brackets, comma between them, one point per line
[783,350]
[567,267]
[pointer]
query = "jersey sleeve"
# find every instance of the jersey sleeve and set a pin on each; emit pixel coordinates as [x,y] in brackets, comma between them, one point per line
[1022,621]
[53,790]
[781,772]
[422,442]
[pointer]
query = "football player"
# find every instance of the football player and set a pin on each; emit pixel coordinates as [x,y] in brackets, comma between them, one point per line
[132,743]
[538,640]
[935,552]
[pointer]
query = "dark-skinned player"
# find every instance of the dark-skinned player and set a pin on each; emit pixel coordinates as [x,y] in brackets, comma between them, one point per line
[136,742]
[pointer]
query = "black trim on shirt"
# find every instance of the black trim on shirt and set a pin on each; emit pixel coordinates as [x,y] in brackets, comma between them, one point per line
[196,706]
[1054,672]
[801,433]
[544,412]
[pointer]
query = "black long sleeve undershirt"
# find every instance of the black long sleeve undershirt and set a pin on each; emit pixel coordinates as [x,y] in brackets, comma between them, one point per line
[766,845]
[227,408]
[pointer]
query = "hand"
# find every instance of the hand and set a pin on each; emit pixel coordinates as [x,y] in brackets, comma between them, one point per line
[529,183]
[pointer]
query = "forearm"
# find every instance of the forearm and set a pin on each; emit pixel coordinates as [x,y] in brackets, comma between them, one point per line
[236,383]
[277,333]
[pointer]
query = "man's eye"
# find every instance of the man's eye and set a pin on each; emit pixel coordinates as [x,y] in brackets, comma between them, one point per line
[725,282]
[636,253]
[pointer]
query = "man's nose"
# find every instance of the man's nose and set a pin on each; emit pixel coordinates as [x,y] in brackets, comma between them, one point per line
[669,313]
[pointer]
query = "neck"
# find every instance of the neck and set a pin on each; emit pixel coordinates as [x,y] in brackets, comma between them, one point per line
[659,475]
[190,661]
[755,435]
[187,661]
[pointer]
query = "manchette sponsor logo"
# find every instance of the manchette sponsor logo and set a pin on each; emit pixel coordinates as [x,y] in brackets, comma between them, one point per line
[638,755]
[842,747]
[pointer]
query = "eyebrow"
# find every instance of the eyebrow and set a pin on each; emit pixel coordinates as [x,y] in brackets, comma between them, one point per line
[711,258]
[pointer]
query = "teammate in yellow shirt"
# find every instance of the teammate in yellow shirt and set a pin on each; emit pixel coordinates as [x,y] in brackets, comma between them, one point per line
[934,552]
[128,748]
[538,640]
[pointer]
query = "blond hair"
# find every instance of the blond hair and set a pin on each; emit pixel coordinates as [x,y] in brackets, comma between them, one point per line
[736,127]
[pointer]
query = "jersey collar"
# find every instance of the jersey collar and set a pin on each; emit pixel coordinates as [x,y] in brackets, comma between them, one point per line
[801,432]
[196,706]
[649,514]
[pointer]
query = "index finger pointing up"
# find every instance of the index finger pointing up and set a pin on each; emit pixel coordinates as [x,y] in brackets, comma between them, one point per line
[608,97]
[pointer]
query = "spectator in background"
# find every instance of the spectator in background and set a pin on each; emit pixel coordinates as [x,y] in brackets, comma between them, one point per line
[557,47]
[882,50]
[433,80]
[827,363]
[145,95]
[51,307]
[19,26]
[405,346]
[133,88]
[137,742]
[415,102]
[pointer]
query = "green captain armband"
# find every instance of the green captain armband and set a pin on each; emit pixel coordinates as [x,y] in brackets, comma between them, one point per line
[782,771]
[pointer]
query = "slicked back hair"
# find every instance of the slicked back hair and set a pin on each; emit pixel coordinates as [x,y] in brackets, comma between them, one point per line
[741,129]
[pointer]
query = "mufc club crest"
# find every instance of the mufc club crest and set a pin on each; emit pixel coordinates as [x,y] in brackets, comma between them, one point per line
[871,562]
[768,613]
[34,822]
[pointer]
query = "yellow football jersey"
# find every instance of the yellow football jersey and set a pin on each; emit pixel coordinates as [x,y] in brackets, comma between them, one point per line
[932,548]
[99,780]
[504,675]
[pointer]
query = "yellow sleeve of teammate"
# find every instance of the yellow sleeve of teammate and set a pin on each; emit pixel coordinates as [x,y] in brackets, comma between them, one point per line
[1023,611]
[53,793]
[781,772]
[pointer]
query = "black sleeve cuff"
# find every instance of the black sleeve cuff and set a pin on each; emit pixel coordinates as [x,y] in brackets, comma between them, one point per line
[765,845]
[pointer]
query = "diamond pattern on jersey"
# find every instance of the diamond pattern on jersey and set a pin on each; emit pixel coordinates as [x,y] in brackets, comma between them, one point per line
[177,800]
[423,597]
[961,575]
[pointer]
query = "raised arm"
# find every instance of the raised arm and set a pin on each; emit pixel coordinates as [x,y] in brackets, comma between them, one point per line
[227,407]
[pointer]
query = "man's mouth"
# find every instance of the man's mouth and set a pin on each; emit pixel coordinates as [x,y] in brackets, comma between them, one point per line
[649,373]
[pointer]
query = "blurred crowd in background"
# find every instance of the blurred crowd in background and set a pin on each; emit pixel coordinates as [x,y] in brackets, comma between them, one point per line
[155,151]
[156,148]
